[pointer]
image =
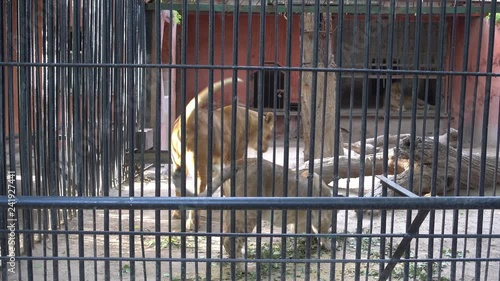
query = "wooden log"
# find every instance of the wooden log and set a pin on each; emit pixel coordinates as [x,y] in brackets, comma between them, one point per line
[422,179]
[446,169]
[376,145]
[351,168]
[447,157]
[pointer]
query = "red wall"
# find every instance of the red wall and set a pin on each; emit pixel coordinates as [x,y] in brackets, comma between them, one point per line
[225,57]
[477,122]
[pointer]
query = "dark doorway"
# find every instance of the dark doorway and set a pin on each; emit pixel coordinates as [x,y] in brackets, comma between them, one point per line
[272,93]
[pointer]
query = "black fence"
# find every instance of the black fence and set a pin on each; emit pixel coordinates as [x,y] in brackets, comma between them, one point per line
[103,156]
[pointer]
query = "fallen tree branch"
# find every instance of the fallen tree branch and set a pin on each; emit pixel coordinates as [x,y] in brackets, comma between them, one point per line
[376,145]
[351,167]
[470,168]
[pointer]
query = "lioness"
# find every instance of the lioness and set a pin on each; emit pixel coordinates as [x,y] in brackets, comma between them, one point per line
[197,138]
[397,93]
[247,186]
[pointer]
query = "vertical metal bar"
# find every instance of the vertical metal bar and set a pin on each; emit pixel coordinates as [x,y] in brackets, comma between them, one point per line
[10,102]
[39,143]
[196,143]
[495,178]
[274,90]
[77,132]
[437,125]
[461,119]
[131,121]
[211,62]
[140,29]
[405,64]
[339,58]
[64,86]
[326,21]
[87,83]
[196,117]
[247,98]
[484,140]
[90,115]
[24,123]
[436,134]
[10,86]
[107,130]
[286,147]
[364,106]
[51,132]
[234,107]
[416,65]
[297,150]
[183,133]
[312,133]
[171,92]
[37,120]
[340,62]
[377,91]
[260,99]
[390,52]
[3,135]
[157,138]
[472,129]
[118,113]
[448,109]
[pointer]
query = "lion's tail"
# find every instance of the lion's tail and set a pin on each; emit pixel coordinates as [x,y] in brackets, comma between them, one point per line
[203,95]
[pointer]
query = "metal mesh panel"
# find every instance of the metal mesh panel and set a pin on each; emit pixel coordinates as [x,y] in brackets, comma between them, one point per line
[249,140]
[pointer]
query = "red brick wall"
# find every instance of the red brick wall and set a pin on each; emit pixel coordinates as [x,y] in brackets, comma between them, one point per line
[475,121]
[226,57]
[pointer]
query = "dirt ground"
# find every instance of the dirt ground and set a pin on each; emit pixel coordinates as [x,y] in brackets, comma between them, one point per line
[339,265]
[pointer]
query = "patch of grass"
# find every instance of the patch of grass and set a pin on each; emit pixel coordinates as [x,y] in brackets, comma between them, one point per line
[448,253]
[176,242]
[371,245]
[295,248]
[125,268]
[419,271]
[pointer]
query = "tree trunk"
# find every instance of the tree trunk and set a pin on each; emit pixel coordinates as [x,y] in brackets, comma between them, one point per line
[323,138]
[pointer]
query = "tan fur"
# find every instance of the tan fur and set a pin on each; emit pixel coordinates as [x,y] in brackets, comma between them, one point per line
[397,94]
[197,138]
[247,186]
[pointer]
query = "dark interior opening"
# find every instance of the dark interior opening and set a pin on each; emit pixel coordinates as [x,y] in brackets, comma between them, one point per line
[352,89]
[273,94]
[376,90]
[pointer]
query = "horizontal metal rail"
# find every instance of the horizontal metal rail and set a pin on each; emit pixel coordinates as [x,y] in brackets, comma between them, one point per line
[255,203]
[253,234]
[261,260]
[299,9]
[343,70]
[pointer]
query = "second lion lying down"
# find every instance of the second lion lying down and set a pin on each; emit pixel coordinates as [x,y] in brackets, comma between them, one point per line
[246,186]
